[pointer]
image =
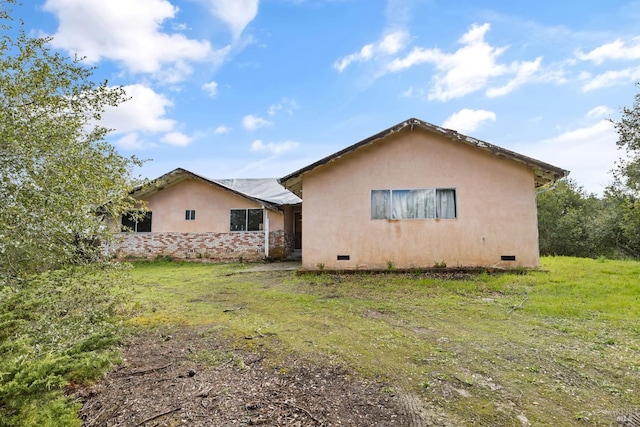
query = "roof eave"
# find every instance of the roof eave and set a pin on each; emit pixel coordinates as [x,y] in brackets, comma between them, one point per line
[178,175]
[544,172]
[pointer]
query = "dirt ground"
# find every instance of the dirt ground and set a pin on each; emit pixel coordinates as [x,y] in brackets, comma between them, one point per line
[191,378]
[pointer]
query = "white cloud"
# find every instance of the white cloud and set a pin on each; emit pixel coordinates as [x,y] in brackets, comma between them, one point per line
[610,78]
[251,122]
[523,70]
[130,32]
[469,68]
[130,141]
[598,112]
[617,49]
[273,147]
[468,120]
[588,152]
[222,129]
[237,14]
[394,42]
[286,104]
[144,114]
[364,54]
[145,111]
[211,88]
[409,92]
[389,45]
[177,138]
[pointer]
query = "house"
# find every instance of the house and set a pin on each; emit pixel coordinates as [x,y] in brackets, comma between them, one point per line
[417,195]
[189,216]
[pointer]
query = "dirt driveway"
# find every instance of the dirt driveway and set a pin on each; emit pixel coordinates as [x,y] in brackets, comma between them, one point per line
[190,378]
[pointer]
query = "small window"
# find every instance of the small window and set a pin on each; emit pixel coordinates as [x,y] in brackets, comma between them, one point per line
[190,215]
[138,222]
[246,219]
[426,203]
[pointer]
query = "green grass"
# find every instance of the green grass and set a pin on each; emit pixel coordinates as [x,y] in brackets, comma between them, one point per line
[559,346]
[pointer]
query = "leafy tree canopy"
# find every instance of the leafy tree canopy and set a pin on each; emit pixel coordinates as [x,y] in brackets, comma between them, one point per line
[58,176]
[59,181]
[628,128]
[625,190]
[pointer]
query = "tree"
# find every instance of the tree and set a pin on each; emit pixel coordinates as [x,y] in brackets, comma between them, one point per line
[626,187]
[58,176]
[563,213]
[574,223]
[59,181]
[628,129]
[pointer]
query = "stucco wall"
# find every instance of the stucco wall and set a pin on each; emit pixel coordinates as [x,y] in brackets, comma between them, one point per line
[212,205]
[495,205]
[206,237]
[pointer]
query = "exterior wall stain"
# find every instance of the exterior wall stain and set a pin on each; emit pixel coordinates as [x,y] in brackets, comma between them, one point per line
[495,199]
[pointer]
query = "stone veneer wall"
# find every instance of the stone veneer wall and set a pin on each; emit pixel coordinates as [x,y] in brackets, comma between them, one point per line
[246,245]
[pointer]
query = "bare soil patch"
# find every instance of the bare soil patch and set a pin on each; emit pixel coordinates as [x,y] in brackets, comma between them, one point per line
[193,378]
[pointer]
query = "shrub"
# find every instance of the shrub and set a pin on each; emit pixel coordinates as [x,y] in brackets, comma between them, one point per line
[57,328]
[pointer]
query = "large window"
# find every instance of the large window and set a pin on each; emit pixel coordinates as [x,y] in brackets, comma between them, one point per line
[246,220]
[422,203]
[138,222]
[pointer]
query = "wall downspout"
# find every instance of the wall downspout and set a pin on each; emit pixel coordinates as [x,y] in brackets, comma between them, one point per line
[266,232]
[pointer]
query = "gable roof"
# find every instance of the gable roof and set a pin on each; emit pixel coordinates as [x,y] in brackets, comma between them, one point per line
[543,172]
[264,191]
[268,189]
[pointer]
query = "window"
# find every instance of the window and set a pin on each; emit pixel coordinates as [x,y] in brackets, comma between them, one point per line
[138,222]
[413,204]
[246,219]
[190,215]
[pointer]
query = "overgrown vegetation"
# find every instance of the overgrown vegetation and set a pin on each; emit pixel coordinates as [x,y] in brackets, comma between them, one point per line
[59,180]
[56,331]
[553,348]
[575,223]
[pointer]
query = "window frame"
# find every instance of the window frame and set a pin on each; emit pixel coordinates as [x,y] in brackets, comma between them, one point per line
[190,215]
[134,226]
[388,209]
[248,221]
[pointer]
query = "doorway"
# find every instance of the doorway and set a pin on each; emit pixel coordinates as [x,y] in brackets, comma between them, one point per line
[297,230]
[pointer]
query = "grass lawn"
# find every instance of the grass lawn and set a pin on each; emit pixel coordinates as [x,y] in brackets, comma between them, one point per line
[559,347]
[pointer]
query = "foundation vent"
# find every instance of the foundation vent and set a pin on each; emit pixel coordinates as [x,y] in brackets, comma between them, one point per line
[344,257]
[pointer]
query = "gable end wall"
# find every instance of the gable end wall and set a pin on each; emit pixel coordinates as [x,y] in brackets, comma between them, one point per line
[495,204]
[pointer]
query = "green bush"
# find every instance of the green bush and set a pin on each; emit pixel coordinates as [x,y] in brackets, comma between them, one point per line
[56,328]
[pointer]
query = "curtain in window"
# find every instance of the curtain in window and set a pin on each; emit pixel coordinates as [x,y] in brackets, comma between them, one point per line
[380,204]
[446,203]
[413,204]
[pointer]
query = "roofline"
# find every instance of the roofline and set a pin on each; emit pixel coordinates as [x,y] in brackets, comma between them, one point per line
[554,171]
[168,178]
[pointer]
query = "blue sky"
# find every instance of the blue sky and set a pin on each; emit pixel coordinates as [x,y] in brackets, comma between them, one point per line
[249,88]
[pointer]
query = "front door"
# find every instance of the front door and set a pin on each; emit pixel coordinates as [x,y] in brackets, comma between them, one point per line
[297,230]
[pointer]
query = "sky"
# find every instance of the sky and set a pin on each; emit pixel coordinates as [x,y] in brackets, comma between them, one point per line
[251,88]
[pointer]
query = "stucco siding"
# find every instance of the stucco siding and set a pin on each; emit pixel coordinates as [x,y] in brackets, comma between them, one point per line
[212,206]
[496,212]
[206,237]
